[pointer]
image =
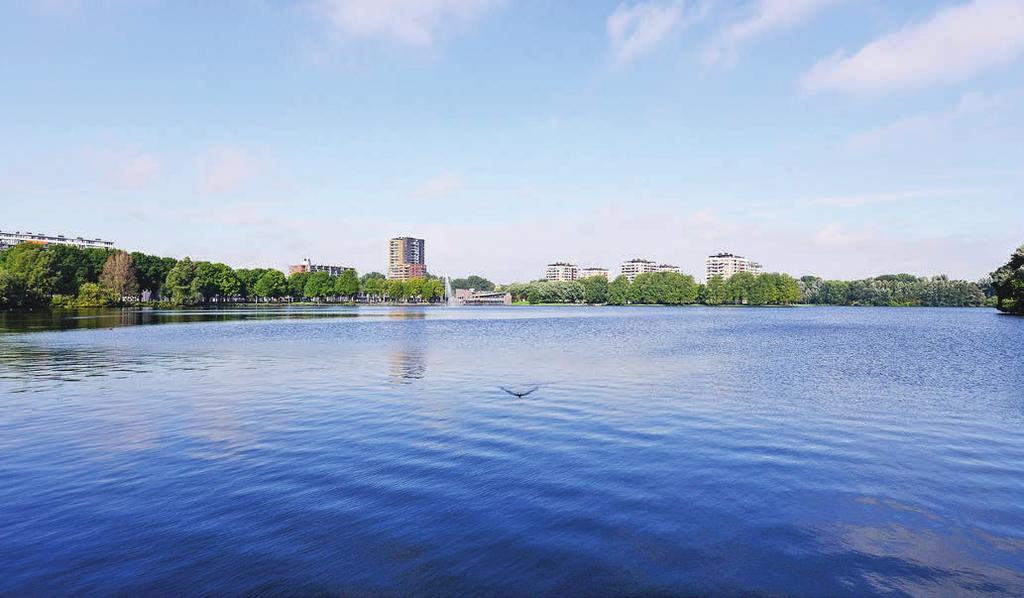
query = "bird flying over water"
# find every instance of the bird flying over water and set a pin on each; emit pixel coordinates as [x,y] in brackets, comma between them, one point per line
[519,393]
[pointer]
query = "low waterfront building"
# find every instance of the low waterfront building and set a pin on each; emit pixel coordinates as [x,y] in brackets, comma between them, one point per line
[593,271]
[473,297]
[12,239]
[636,266]
[725,265]
[668,268]
[307,265]
[561,272]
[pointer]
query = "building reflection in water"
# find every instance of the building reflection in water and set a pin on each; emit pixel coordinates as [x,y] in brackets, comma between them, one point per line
[407,363]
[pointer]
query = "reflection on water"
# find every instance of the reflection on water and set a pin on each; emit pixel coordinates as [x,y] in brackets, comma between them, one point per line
[369,451]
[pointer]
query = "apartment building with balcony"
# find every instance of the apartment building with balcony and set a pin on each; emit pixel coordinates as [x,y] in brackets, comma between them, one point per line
[637,266]
[727,264]
[8,239]
[561,272]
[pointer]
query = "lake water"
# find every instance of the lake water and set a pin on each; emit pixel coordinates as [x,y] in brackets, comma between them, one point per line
[803,451]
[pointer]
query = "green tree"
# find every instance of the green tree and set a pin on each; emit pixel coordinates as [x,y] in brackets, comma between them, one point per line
[347,285]
[739,287]
[319,286]
[373,287]
[151,272]
[31,268]
[92,294]
[618,291]
[395,289]
[595,289]
[1008,282]
[297,285]
[178,285]
[473,282]
[272,284]
[205,287]
[715,291]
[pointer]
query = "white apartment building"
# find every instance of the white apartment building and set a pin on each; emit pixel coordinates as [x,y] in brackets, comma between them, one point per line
[634,267]
[668,268]
[561,272]
[727,264]
[307,265]
[593,271]
[12,239]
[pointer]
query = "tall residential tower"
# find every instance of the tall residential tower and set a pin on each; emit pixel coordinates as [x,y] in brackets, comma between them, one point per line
[407,258]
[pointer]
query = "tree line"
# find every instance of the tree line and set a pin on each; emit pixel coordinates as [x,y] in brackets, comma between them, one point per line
[663,288]
[745,288]
[34,275]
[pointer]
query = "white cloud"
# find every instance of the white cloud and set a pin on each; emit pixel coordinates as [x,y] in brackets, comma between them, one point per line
[868,199]
[954,44]
[225,169]
[408,22]
[767,16]
[440,186]
[636,29]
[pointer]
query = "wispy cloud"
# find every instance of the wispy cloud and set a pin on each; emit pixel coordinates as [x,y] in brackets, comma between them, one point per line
[440,186]
[225,169]
[869,199]
[414,23]
[954,44]
[971,107]
[835,234]
[766,17]
[635,29]
[130,169]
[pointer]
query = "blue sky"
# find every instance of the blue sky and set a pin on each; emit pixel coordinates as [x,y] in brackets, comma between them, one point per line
[842,138]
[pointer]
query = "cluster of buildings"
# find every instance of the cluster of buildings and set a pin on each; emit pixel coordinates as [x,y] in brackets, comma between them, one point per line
[12,239]
[720,264]
[407,259]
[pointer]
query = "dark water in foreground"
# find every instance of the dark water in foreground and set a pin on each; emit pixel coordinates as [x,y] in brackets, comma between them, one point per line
[798,451]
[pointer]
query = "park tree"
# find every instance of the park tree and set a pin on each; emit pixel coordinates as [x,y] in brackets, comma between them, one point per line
[347,285]
[319,286]
[373,287]
[272,284]
[297,285]
[151,271]
[119,275]
[595,289]
[178,285]
[395,289]
[618,291]
[715,291]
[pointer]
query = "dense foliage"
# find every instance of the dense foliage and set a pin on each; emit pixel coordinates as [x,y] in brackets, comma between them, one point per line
[664,288]
[34,275]
[1008,284]
[744,288]
[894,290]
[475,282]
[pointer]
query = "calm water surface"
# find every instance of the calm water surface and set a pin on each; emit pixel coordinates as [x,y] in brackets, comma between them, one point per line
[806,451]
